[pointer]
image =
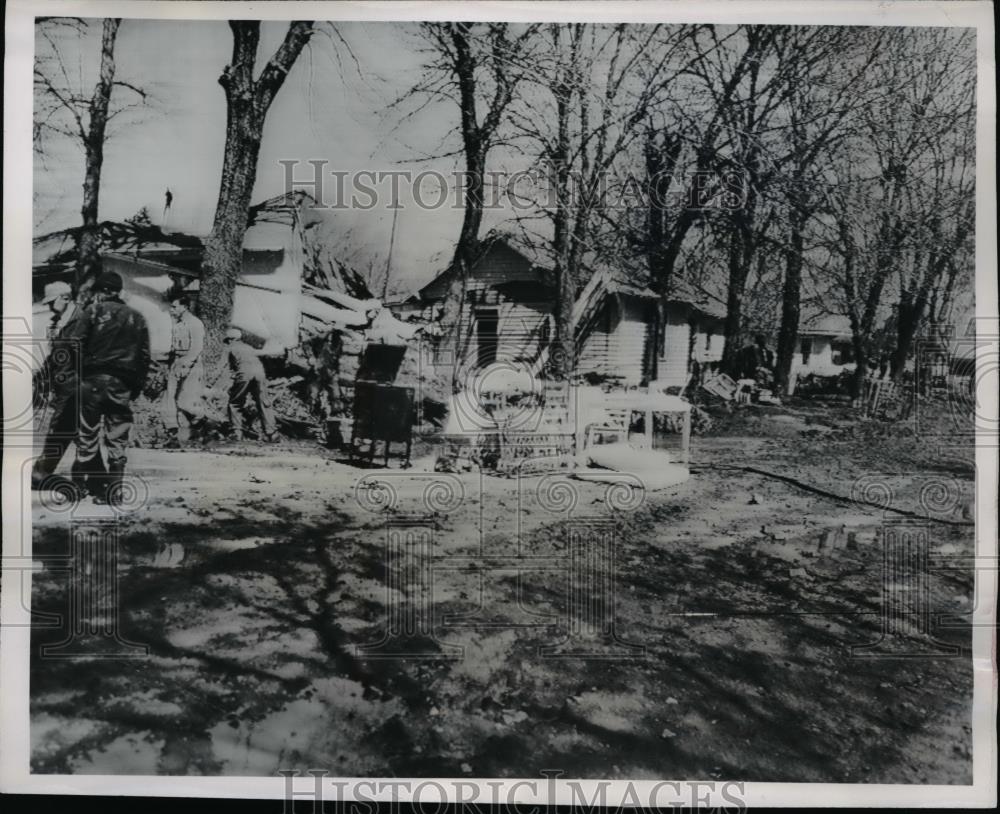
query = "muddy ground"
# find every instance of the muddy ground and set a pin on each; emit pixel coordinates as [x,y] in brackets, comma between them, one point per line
[253,574]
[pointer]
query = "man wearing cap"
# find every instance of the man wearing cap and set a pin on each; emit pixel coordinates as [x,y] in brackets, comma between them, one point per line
[114,358]
[186,377]
[249,380]
[60,378]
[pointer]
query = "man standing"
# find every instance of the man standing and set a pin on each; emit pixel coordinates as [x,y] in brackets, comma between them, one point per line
[763,363]
[114,358]
[60,376]
[186,377]
[250,381]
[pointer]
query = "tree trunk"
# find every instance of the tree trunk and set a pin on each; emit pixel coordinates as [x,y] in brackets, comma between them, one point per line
[913,306]
[223,260]
[88,261]
[739,270]
[790,301]
[660,163]
[467,248]
[909,314]
[466,254]
[563,353]
[861,363]
[247,103]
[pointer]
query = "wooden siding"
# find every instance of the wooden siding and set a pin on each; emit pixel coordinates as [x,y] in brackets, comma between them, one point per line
[820,360]
[628,343]
[616,344]
[592,355]
[672,365]
[521,325]
[522,328]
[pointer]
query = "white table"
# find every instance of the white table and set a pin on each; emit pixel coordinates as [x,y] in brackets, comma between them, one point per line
[646,403]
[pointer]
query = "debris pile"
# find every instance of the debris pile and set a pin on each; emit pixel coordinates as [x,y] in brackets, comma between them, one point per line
[322,370]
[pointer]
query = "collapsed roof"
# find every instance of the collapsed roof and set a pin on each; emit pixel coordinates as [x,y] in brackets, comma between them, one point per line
[264,245]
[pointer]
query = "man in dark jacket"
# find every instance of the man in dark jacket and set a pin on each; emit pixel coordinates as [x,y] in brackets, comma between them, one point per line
[114,347]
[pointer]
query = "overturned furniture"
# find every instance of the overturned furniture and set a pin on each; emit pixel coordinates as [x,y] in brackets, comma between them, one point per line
[721,386]
[383,412]
[654,448]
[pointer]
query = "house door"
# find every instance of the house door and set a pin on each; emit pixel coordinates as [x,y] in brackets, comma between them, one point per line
[487,322]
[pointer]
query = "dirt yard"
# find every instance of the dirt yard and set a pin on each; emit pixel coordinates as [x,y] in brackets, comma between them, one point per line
[253,573]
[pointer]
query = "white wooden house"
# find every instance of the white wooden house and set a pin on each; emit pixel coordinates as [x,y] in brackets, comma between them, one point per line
[507,315]
[629,333]
[824,346]
[615,324]
[624,332]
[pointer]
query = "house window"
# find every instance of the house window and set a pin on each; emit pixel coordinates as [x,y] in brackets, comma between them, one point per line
[806,347]
[708,340]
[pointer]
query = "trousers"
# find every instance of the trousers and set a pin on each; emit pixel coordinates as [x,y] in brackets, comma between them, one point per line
[105,412]
[184,397]
[62,430]
[255,388]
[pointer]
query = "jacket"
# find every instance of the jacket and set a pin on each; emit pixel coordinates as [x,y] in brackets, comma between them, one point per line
[244,362]
[187,340]
[113,340]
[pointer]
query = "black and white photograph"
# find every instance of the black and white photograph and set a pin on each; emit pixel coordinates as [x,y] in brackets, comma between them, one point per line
[596,396]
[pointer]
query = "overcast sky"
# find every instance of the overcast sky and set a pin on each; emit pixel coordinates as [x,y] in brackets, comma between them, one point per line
[330,108]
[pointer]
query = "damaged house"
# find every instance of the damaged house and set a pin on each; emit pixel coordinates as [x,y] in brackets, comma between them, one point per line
[286,287]
[507,313]
[625,333]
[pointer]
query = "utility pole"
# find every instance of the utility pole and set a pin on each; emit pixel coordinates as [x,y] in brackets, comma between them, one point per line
[392,241]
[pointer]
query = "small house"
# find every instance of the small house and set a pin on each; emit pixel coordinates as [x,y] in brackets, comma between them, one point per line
[629,333]
[625,332]
[824,346]
[507,315]
[616,326]
[691,340]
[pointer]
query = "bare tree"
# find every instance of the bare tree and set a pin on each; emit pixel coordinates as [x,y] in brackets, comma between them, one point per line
[942,201]
[479,67]
[747,96]
[590,100]
[822,111]
[704,162]
[902,199]
[64,109]
[247,102]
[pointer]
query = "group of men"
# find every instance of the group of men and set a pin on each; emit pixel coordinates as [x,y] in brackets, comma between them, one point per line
[98,361]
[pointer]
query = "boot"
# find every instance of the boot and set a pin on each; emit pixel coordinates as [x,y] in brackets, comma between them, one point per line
[89,476]
[112,484]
